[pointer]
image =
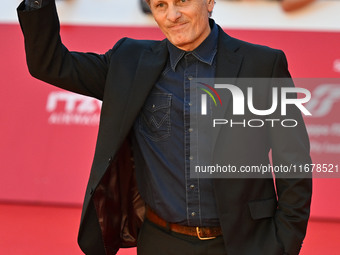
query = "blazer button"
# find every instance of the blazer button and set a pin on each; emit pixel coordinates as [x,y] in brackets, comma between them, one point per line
[91,191]
[110,159]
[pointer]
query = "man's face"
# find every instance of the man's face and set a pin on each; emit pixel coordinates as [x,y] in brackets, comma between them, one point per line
[184,22]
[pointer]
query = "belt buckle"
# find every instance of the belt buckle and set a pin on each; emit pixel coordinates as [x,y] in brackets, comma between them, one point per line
[203,238]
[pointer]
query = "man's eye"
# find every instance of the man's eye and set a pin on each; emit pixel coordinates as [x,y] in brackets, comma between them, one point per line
[183,1]
[160,5]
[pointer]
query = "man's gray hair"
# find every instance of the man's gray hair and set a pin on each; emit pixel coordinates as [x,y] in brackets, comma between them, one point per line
[148,2]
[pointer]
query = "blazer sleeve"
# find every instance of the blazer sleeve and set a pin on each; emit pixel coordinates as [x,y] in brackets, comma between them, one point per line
[290,147]
[50,61]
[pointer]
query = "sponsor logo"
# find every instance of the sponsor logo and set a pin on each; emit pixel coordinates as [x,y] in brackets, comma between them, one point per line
[66,108]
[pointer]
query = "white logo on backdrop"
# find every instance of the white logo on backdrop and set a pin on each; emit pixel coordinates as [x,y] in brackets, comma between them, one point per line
[323,99]
[336,65]
[72,109]
[324,134]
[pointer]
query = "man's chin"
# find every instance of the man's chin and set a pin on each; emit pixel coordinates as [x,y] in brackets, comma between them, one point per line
[179,43]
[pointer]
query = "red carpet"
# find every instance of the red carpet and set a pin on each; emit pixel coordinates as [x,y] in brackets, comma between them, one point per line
[42,230]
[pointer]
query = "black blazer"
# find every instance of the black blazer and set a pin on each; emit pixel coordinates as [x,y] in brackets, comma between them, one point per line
[256,218]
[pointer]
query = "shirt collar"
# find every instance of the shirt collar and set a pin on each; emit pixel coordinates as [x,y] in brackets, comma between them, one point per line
[205,52]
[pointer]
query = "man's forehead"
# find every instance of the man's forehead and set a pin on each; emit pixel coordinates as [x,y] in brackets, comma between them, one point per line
[152,1]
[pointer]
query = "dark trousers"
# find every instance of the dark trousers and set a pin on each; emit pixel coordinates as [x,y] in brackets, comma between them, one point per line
[155,240]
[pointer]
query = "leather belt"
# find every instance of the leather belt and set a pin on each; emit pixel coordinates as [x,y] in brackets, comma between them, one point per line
[203,233]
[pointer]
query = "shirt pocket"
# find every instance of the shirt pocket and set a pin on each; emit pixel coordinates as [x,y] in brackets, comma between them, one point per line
[154,120]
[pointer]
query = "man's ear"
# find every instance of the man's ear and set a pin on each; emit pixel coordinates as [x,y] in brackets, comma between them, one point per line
[211,4]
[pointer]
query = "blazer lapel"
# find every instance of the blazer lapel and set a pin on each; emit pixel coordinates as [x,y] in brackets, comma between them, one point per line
[149,68]
[228,61]
[228,64]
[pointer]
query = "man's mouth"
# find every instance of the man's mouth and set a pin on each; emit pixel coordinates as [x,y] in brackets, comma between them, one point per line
[177,26]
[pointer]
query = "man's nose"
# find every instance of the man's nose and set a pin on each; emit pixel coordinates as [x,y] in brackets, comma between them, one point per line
[173,13]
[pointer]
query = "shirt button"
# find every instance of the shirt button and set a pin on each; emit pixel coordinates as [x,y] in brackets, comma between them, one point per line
[191,157]
[36,3]
[153,106]
[190,78]
[190,104]
[192,186]
[191,129]
[193,214]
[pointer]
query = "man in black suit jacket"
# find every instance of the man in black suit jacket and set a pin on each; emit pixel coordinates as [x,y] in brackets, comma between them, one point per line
[253,217]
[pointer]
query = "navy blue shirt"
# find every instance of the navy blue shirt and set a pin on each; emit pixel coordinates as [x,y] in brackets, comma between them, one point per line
[162,136]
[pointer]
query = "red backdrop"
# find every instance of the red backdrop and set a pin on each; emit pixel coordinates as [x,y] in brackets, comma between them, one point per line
[48,136]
